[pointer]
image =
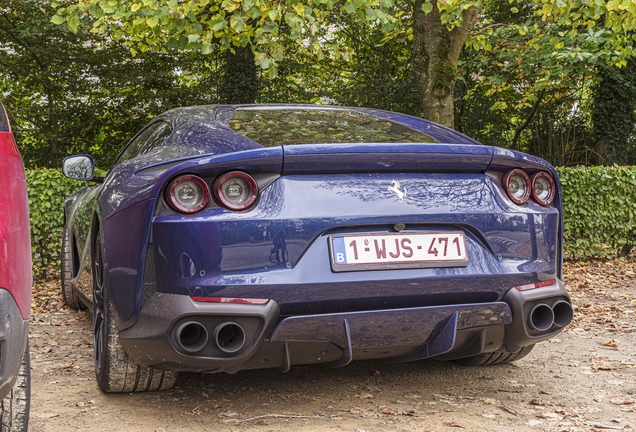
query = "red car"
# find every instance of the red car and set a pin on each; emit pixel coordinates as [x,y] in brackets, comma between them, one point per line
[15,284]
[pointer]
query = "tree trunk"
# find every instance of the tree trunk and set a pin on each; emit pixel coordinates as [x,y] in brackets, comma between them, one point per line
[435,54]
[240,80]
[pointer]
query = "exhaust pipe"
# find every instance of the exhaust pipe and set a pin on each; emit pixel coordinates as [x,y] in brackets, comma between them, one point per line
[541,317]
[229,337]
[192,336]
[563,313]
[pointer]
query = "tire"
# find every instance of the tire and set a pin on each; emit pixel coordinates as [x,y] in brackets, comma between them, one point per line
[15,406]
[495,358]
[68,272]
[114,370]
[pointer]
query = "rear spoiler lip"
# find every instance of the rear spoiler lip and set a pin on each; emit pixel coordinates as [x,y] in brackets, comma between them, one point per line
[386,157]
[375,157]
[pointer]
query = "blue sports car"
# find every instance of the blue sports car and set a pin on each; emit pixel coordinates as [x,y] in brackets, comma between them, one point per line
[266,236]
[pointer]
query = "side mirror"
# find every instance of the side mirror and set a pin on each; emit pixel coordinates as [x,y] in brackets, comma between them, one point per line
[80,167]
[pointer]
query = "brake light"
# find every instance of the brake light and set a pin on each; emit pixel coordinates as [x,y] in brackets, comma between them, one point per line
[516,183]
[542,188]
[230,300]
[535,285]
[235,190]
[187,194]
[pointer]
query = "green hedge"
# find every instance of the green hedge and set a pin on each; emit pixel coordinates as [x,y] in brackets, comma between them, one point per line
[598,204]
[599,211]
[48,189]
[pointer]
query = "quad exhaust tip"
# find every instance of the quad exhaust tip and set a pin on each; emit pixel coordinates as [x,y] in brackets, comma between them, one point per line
[192,336]
[542,317]
[563,313]
[229,337]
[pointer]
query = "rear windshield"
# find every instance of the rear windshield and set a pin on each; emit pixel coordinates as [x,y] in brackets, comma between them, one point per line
[301,126]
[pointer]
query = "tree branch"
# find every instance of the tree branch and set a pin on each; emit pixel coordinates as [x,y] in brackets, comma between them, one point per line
[521,128]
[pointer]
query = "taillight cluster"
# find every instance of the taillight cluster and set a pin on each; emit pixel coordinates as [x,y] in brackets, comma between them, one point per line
[234,190]
[520,187]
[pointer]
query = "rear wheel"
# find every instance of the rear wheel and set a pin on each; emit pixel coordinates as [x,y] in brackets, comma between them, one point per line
[115,371]
[15,406]
[68,272]
[494,358]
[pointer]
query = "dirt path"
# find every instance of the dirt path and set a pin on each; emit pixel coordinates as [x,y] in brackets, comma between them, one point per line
[583,380]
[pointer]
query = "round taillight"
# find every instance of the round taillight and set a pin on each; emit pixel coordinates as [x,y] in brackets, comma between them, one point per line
[542,188]
[187,194]
[517,185]
[235,190]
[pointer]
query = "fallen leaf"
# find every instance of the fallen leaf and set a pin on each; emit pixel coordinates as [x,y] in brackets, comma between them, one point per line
[620,400]
[610,344]
[46,415]
[601,363]
[68,366]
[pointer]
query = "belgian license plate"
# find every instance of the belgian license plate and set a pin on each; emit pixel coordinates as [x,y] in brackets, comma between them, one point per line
[392,251]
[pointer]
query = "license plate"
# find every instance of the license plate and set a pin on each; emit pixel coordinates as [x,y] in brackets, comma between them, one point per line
[392,251]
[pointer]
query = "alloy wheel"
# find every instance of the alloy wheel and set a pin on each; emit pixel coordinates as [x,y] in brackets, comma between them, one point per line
[99,321]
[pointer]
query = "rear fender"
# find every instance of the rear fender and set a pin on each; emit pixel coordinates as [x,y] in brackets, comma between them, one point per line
[128,232]
[505,159]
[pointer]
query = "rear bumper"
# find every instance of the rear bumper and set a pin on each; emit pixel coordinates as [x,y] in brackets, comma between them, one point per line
[14,333]
[407,334]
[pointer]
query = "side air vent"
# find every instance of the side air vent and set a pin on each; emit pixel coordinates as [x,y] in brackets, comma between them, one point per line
[149,286]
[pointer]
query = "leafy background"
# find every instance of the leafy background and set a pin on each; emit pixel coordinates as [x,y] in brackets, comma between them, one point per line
[48,189]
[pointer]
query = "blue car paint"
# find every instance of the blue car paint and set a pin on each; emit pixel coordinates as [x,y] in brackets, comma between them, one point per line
[301,206]
[126,253]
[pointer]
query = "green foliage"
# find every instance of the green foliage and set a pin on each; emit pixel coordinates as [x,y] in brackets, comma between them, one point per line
[80,92]
[201,24]
[48,189]
[599,211]
[613,113]
[536,86]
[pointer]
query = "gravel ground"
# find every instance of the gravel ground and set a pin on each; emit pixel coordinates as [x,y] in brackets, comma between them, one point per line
[582,380]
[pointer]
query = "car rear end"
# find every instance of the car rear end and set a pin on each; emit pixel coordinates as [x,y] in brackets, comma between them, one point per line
[338,252]
[15,273]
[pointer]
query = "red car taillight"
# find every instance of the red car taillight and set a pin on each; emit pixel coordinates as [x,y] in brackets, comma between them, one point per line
[542,188]
[516,183]
[187,194]
[235,190]
[520,187]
